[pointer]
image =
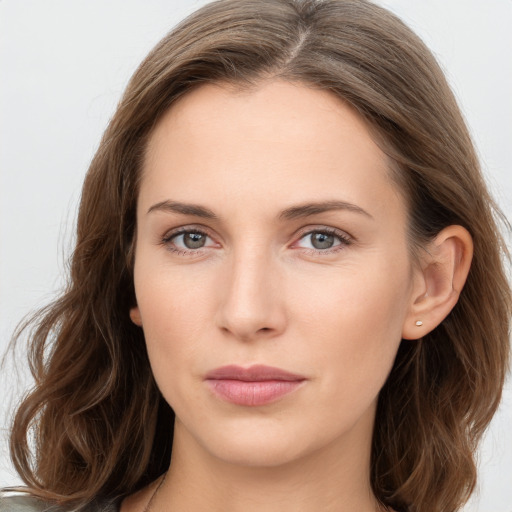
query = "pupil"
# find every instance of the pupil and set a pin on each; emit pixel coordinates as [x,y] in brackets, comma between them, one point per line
[322,240]
[193,240]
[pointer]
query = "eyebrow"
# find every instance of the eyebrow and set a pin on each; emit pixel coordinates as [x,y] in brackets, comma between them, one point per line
[307,209]
[294,212]
[184,209]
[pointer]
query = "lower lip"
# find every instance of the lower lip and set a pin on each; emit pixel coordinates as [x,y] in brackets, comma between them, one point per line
[252,393]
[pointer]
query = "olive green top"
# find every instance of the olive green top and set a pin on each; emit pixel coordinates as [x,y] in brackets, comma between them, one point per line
[19,502]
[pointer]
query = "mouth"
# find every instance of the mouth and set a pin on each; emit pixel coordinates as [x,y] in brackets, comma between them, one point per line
[254,386]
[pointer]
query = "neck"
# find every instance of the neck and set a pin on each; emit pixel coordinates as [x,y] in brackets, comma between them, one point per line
[335,478]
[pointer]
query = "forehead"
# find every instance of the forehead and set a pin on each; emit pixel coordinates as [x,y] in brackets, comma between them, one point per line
[256,144]
[292,115]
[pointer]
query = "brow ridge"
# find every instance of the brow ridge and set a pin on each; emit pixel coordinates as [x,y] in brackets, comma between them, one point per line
[308,209]
[183,208]
[293,212]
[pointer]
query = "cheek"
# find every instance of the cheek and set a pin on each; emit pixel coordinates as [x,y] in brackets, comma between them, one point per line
[177,305]
[369,298]
[352,329]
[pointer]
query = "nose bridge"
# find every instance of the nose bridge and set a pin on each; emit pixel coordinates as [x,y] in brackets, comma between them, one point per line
[251,304]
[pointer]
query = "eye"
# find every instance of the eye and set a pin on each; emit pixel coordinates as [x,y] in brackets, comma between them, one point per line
[323,240]
[187,240]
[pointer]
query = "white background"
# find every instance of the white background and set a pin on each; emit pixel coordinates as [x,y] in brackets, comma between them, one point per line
[63,66]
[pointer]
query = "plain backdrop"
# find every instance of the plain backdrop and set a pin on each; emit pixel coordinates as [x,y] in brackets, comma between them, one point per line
[63,66]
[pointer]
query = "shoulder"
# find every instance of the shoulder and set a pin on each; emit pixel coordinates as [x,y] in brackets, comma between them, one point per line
[21,502]
[24,503]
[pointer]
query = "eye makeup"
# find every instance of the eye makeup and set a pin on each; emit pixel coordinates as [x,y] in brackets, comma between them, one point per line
[193,241]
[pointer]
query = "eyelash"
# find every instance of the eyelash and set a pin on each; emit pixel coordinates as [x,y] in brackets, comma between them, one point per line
[344,239]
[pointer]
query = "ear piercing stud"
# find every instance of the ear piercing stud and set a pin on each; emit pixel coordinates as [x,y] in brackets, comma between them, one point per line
[419,323]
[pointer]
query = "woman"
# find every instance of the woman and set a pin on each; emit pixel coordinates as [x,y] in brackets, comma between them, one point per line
[339,346]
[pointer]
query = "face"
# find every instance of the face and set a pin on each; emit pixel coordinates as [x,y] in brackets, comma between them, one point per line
[272,272]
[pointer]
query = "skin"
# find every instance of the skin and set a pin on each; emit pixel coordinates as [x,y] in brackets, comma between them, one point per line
[260,292]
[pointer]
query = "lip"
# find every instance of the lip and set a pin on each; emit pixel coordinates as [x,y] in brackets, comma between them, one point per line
[254,386]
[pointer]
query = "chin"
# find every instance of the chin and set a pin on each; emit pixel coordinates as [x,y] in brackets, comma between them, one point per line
[263,442]
[258,453]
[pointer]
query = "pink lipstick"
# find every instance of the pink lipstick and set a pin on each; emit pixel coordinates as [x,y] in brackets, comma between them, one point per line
[253,386]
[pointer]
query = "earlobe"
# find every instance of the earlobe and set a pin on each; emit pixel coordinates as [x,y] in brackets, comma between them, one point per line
[442,275]
[135,316]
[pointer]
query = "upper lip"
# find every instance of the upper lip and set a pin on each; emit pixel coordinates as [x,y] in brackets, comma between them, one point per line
[255,373]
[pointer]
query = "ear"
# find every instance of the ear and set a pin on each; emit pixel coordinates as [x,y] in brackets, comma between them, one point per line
[438,281]
[135,316]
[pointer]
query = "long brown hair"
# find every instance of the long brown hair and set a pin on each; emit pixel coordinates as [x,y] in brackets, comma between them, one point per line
[97,420]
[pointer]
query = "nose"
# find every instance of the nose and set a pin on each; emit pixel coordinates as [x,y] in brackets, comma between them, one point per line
[251,298]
